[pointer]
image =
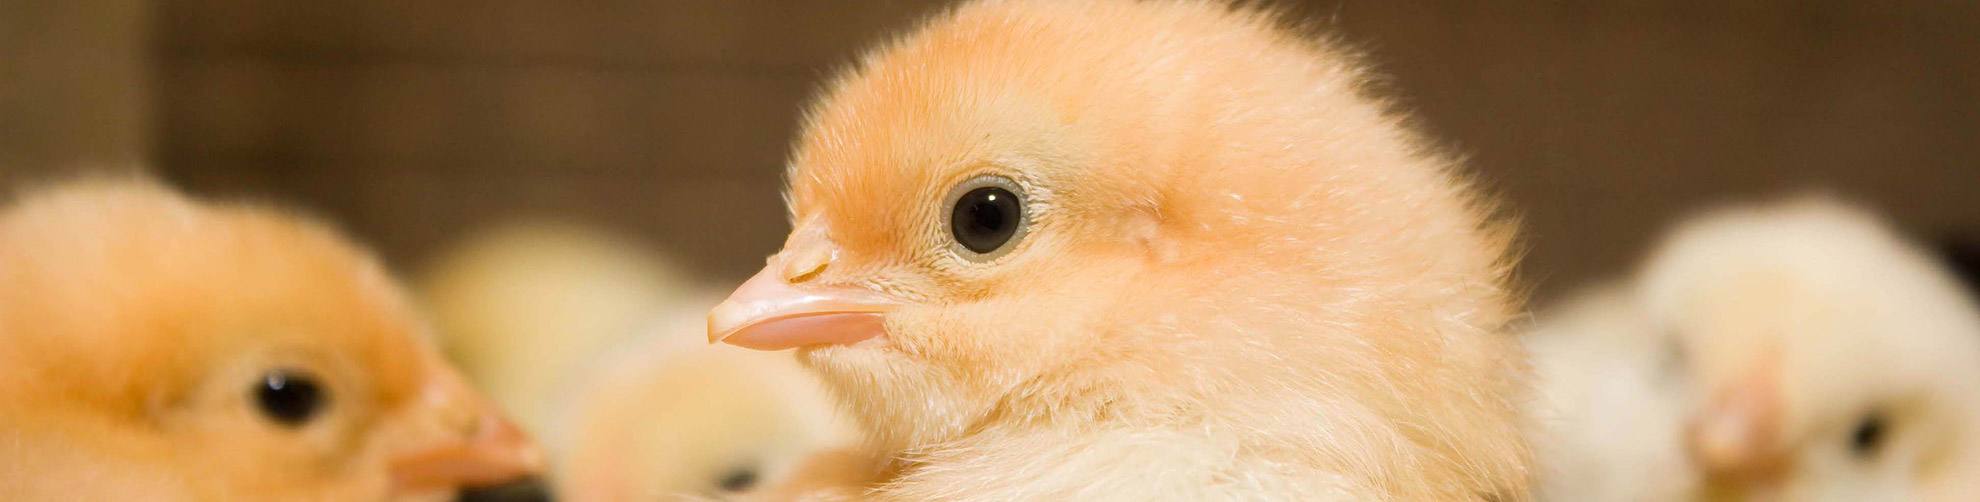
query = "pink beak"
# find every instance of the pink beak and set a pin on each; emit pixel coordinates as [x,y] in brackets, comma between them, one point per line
[775,310]
[1739,432]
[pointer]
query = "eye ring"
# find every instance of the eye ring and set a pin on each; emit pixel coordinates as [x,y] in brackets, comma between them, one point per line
[289,397]
[986,216]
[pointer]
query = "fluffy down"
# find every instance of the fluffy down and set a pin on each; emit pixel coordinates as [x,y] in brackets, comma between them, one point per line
[1613,403]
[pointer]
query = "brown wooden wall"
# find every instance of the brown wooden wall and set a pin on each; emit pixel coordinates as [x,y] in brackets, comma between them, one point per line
[413,121]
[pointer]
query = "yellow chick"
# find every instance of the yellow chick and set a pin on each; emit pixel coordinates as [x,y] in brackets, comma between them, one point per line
[523,306]
[594,340]
[156,345]
[1140,250]
[1808,353]
[666,418]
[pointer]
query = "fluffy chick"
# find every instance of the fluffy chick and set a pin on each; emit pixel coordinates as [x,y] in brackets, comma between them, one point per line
[1835,360]
[592,340]
[665,418]
[1157,250]
[523,306]
[221,352]
[1803,351]
[1612,402]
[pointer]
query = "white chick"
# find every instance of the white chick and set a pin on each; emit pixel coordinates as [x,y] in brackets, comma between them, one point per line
[1815,355]
[1612,400]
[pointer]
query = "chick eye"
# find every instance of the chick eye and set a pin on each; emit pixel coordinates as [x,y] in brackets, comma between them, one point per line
[289,397]
[1868,436]
[986,216]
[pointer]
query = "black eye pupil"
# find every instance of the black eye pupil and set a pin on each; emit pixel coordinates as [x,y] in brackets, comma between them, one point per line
[1869,434]
[288,397]
[739,480]
[985,219]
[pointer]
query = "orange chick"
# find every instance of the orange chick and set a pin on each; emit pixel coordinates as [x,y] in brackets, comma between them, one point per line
[223,352]
[1159,250]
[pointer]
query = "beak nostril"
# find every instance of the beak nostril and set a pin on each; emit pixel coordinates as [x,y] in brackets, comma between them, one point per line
[529,489]
[806,265]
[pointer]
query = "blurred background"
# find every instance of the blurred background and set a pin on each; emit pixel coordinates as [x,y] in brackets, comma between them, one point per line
[414,123]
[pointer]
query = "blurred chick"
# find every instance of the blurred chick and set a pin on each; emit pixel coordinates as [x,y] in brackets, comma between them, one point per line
[1836,361]
[1158,250]
[523,306]
[666,418]
[155,345]
[38,466]
[1613,399]
[1814,355]
[595,340]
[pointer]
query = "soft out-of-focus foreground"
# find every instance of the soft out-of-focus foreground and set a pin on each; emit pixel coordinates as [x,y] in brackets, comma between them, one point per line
[414,122]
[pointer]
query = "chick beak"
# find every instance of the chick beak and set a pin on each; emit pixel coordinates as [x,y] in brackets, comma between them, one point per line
[456,440]
[1738,434]
[777,310]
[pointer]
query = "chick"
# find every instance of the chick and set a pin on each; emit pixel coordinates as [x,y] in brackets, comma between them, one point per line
[1808,352]
[1834,360]
[1613,399]
[593,341]
[160,345]
[665,418]
[1155,250]
[525,305]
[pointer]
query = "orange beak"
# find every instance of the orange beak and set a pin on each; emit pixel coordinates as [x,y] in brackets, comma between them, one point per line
[776,310]
[455,439]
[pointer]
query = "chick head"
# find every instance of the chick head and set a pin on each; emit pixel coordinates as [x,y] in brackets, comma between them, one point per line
[258,355]
[1056,213]
[1834,360]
